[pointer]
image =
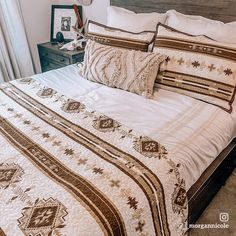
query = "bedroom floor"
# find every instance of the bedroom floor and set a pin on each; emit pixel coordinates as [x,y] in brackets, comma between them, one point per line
[224,201]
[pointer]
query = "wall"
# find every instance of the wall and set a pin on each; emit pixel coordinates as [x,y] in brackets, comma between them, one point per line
[37,15]
[37,18]
[96,11]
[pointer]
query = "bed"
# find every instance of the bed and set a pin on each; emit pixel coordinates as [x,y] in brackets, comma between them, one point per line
[85,160]
[203,190]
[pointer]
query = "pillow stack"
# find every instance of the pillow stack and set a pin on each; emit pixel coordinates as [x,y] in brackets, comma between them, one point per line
[195,57]
[117,55]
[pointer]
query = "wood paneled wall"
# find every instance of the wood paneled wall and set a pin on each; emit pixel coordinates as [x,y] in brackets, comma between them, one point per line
[223,10]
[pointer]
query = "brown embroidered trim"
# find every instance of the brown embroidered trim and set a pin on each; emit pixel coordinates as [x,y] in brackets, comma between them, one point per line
[109,28]
[78,137]
[106,214]
[197,85]
[119,42]
[185,45]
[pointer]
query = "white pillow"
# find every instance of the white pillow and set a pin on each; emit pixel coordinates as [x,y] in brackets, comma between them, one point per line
[124,19]
[198,25]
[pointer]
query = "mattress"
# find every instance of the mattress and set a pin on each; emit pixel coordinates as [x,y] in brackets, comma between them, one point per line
[194,132]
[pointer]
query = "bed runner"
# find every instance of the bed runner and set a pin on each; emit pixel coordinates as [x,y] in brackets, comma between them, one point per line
[66,169]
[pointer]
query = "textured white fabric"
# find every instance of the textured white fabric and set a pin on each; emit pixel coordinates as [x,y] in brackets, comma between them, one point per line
[130,70]
[198,25]
[15,58]
[135,22]
[192,131]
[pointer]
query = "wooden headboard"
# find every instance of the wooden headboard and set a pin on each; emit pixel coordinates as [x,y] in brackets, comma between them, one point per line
[223,10]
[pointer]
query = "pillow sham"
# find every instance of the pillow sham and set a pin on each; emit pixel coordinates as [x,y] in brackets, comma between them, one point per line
[120,38]
[198,25]
[130,70]
[197,66]
[134,22]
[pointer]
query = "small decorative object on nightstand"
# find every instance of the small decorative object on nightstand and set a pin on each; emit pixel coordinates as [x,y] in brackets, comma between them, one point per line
[51,57]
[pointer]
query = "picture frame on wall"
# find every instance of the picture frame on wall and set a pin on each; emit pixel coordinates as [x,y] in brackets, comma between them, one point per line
[63,18]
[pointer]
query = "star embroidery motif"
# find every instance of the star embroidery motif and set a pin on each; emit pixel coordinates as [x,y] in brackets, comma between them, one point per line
[196,64]
[180,61]
[46,135]
[82,161]
[69,152]
[132,203]
[98,171]
[168,59]
[140,226]
[18,116]
[228,72]
[115,183]
[27,122]
[211,67]
[56,143]
[36,128]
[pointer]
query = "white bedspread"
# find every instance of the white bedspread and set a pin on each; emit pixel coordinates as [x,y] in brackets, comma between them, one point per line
[192,131]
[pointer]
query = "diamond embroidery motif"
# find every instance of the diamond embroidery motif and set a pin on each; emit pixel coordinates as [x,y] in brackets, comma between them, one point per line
[25,80]
[10,173]
[72,106]
[105,124]
[7,174]
[149,148]
[179,197]
[46,93]
[43,217]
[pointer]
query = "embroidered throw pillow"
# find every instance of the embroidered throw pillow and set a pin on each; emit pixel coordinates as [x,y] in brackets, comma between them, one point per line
[130,70]
[197,66]
[120,38]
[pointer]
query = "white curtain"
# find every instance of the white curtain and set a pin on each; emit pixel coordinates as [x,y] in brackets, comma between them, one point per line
[15,57]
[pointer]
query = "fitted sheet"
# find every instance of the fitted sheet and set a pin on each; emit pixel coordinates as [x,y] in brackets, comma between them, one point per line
[193,132]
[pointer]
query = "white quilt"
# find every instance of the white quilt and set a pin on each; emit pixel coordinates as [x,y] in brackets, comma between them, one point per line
[193,132]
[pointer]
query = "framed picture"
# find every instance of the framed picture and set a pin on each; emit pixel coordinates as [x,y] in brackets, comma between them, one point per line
[63,17]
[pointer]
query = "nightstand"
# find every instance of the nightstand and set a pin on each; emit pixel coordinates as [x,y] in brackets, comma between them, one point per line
[51,57]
